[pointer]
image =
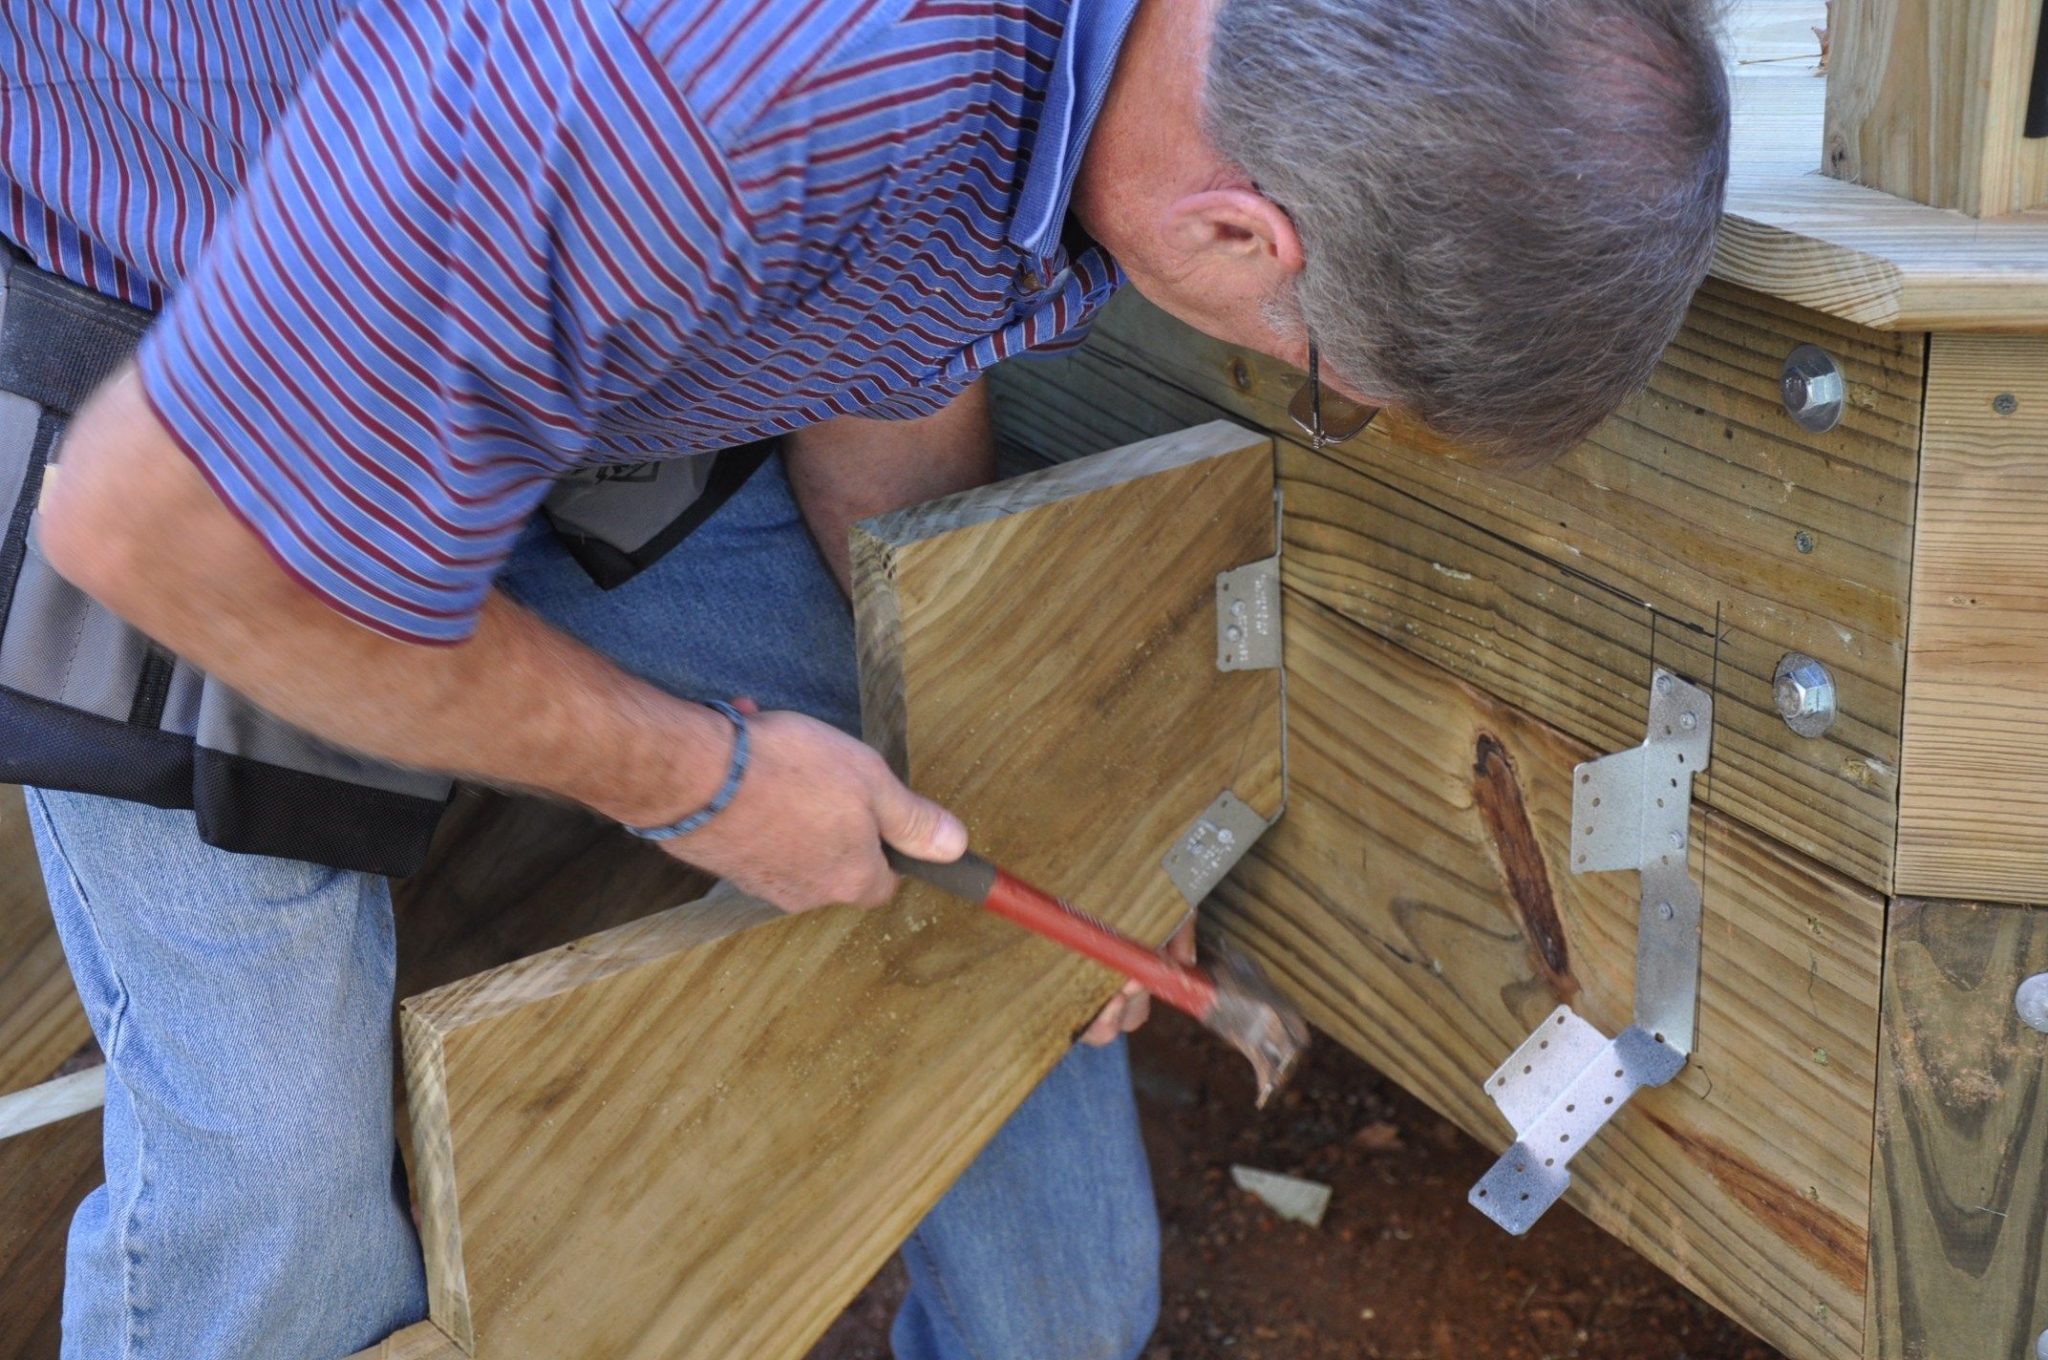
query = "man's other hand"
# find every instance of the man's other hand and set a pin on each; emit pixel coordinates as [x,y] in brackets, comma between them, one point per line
[1132,1006]
[807,826]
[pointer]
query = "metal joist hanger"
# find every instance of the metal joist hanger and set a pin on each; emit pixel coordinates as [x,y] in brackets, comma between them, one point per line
[1630,810]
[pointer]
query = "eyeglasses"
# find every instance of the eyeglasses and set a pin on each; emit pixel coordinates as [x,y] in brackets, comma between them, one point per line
[1327,418]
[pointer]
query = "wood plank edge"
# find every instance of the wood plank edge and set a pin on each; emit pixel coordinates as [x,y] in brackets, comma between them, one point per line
[435,1188]
[1096,472]
[50,1101]
[878,643]
[722,911]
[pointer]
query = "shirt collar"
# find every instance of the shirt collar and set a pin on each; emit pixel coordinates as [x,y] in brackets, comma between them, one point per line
[1081,73]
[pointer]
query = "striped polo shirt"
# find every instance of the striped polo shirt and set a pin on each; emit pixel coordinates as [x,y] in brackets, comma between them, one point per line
[426,256]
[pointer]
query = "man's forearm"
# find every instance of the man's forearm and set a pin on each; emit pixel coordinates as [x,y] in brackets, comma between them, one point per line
[845,470]
[131,522]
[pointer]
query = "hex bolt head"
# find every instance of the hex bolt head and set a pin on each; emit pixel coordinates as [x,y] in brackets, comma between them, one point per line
[1812,389]
[1804,691]
[2031,1001]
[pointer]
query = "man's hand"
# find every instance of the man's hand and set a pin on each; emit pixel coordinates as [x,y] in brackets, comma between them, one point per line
[1132,1007]
[808,823]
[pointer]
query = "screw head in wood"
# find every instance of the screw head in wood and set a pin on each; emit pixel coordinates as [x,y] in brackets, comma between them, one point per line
[1811,387]
[2005,403]
[1804,692]
[2031,1001]
[1803,540]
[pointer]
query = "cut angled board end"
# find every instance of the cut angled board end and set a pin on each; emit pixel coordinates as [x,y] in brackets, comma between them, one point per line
[685,1138]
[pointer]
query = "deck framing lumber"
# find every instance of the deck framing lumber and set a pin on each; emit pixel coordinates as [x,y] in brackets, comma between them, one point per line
[1555,590]
[698,1134]
[1973,796]
[1959,1232]
[1418,897]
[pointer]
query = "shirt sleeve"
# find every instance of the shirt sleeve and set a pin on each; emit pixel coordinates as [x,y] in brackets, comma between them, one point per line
[482,224]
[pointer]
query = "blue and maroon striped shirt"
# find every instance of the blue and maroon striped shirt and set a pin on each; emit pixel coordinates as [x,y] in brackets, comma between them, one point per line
[429,255]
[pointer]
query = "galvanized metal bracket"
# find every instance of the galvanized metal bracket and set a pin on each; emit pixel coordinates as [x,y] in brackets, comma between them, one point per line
[1212,846]
[1248,616]
[1630,810]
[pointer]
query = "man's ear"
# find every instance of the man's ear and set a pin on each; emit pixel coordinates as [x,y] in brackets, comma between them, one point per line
[1216,224]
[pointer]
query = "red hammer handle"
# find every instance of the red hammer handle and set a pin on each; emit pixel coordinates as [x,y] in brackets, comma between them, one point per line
[976,879]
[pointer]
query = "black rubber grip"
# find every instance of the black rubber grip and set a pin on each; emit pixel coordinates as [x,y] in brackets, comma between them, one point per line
[970,877]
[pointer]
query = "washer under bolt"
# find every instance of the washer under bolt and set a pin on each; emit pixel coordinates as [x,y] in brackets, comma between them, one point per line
[2031,1001]
[1804,691]
[1812,388]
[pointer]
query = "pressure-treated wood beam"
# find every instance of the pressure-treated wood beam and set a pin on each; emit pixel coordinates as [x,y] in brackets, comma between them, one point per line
[1973,790]
[1927,99]
[1701,510]
[1418,896]
[685,1137]
[1959,1238]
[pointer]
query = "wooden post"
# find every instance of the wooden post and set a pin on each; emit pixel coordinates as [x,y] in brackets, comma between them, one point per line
[1927,99]
[1960,1182]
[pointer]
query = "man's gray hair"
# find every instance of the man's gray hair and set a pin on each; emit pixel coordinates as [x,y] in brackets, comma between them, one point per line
[1504,205]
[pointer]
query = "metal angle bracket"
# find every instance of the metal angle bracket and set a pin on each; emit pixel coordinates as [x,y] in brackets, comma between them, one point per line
[1630,810]
[1248,616]
[1212,846]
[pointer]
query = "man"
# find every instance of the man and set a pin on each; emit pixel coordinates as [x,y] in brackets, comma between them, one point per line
[439,269]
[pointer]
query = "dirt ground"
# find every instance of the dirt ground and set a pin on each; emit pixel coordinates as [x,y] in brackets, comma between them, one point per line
[1400,1269]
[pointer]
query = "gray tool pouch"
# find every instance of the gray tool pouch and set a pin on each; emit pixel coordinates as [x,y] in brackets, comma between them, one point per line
[90,705]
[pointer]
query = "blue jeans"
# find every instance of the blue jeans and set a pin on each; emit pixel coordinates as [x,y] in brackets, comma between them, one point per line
[254,1209]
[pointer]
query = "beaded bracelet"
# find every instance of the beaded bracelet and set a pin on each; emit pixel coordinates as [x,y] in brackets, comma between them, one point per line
[726,791]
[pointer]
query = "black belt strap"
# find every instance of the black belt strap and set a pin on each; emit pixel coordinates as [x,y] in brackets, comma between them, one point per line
[58,339]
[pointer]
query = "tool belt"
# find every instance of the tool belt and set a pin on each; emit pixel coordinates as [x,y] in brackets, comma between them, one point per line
[91,705]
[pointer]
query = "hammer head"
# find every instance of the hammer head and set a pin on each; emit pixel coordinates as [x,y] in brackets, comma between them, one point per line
[1255,1018]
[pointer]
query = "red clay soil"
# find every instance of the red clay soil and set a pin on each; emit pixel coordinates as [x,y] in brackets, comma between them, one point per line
[1400,1269]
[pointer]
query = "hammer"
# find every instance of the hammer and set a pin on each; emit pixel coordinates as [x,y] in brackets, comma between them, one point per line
[1233,998]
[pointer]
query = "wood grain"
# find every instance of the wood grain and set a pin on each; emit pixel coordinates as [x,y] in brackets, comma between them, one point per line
[42,1026]
[1555,589]
[1926,99]
[679,1139]
[44,1172]
[1973,796]
[1959,1238]
[1853,252]
[1417,896]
